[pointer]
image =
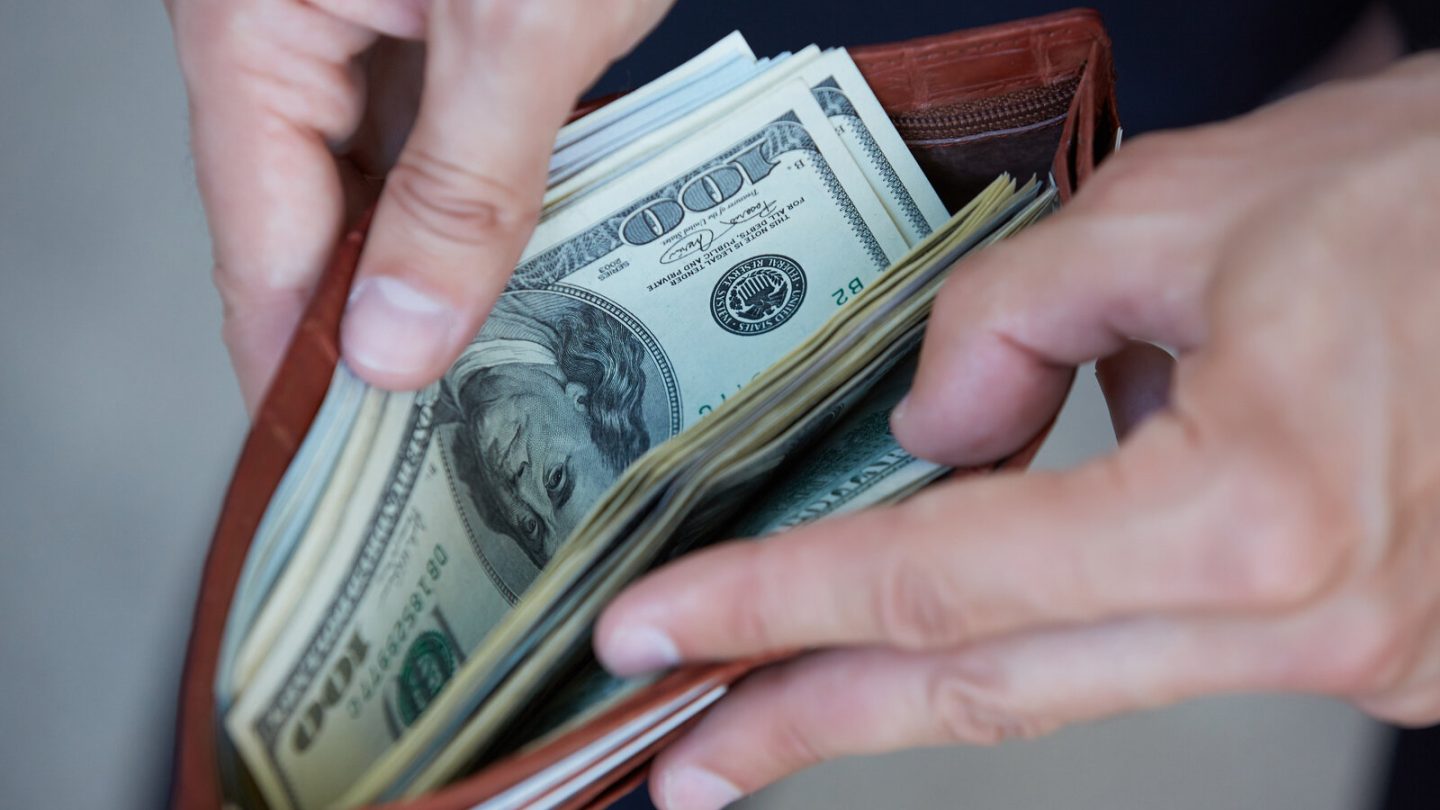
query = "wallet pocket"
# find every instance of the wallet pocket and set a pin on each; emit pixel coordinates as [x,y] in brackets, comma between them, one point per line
[963,147]
[1031,97]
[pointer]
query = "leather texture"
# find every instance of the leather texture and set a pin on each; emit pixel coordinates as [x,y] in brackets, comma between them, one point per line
[1032,96]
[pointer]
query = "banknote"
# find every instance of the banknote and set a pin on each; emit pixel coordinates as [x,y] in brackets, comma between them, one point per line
[291,538]
[857,117]
[680,493]
[714,72]
[865,129]
[703,339]
[633,314]
[710,73]
[677,105]
[623,157]
[857,463]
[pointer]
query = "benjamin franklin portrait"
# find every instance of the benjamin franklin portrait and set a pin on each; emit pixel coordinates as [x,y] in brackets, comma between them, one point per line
[548,406]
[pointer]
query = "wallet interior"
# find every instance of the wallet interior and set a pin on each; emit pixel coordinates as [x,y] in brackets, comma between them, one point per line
[1029,98]
[1032,97]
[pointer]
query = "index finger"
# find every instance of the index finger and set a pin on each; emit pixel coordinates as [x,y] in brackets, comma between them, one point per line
[1163,525]
[271,85]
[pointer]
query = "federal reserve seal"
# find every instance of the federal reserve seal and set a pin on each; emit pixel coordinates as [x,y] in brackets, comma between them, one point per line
[429,663]
[758,294]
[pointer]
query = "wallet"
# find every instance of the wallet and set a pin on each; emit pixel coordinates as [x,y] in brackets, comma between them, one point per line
[1031,97]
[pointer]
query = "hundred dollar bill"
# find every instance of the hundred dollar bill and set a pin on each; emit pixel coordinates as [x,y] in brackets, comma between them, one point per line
[294,532]
[678,105]
[858,118]
[714,72]
[679,494]
[675,94]
[858,463]
[717,106]
[633,314]
[865,129]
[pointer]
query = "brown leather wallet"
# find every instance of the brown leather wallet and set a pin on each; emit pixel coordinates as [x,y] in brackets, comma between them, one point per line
[1034,96]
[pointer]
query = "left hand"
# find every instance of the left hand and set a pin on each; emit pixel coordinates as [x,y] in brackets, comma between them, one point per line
[298,107]
[1274,527]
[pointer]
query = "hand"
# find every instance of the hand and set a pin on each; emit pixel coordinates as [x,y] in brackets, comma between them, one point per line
[295,103]
[1276,526]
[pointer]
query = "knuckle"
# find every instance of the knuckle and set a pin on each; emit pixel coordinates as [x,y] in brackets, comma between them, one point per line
[497,18]
[241,286]
[262,272]
[795,745]
[965,713]
[914,607]
[311,92]
[251,301]
[455,204]
[510,24]
[389,18]
[232,285]
[1369,651]
[792,733]
[609,24]
[1414,708]
[313,85]
[1281,544]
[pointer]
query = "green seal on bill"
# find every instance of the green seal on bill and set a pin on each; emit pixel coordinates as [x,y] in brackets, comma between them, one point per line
[429,663]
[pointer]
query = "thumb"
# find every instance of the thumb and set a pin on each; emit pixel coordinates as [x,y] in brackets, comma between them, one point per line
[458,208]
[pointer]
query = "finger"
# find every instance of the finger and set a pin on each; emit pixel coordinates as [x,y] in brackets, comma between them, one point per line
[1013,321]
[853,702]
[1404,665]
[460,204]
[271,84]
[404,19]
[1170,522]
[1136,384]
[1418,707]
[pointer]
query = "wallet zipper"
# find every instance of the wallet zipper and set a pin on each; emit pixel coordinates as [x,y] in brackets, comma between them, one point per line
[1015,110]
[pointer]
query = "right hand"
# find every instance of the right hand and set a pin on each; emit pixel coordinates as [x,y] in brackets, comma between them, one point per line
[1273,527]
[295,103]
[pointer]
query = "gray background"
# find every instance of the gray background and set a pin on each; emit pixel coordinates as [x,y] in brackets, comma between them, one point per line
[119,422]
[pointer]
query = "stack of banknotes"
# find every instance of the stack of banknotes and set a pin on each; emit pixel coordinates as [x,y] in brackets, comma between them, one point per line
[703,339]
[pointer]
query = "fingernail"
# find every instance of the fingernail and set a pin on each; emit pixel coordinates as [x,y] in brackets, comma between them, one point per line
[638,650]
[393,328]
[697,789]
[897,415]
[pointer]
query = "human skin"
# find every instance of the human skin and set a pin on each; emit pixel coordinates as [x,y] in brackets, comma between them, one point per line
[1270,527]
[297,106]
[1274,525]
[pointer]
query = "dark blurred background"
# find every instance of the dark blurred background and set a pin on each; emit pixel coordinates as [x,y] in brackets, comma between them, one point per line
[1178,62]
[119,419]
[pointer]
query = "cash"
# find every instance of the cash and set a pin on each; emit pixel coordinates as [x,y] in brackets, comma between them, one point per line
[704,338]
